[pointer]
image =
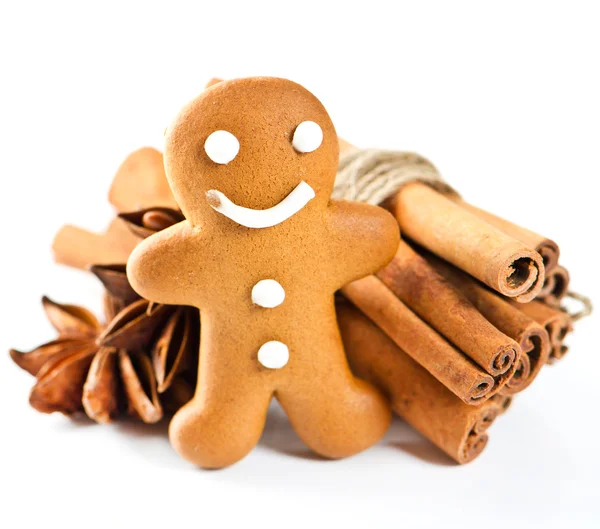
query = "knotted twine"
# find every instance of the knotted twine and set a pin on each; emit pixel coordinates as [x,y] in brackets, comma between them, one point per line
[374,175]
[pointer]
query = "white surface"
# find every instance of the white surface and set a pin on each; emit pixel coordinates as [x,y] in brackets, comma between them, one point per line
[504,99]
[268,293]
[221,147]
[273,354]
[307,137]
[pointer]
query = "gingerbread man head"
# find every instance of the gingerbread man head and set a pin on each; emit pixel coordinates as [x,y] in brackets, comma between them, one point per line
[250,143]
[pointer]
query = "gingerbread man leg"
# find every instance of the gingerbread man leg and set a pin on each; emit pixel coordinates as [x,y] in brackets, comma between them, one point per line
[338,417]
[216,430]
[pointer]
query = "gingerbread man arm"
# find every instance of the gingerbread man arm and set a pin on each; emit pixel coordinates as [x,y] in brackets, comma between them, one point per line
[161,268]
[363,237]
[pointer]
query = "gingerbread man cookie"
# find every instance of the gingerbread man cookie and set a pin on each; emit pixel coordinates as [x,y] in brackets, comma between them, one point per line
[252,163]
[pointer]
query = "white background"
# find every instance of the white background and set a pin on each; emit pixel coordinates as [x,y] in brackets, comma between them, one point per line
[504,99]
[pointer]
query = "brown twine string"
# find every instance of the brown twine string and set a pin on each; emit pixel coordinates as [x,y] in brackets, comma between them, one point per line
[373,175]
[586,306]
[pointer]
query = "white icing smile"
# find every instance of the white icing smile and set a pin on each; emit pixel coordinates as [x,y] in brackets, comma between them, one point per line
[262,218]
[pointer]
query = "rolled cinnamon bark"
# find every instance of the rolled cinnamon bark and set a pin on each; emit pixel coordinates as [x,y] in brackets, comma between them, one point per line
[141,183]
[213,81]
[448,311]
[556,286]
[429,407]
[460,237]
[425,345]
[79,248]
[521,377]
[503,402]
[547,248]
[556,322]
[506,317]
[548,286]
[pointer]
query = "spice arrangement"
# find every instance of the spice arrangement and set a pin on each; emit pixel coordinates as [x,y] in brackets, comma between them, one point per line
[464,316]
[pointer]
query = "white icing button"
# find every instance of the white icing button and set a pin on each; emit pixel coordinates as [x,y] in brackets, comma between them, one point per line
[273,355]
[268,293]
[308,136]
[221,147]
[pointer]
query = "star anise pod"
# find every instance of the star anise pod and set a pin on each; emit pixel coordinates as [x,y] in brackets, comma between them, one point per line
[175,349]
[169,332]
[88,368]
[144,359]
[148,221]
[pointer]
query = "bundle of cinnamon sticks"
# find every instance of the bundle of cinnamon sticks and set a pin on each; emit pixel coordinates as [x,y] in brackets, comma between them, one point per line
[463,318]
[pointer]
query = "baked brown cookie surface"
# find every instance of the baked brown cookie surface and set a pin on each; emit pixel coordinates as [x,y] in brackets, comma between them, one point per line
[252,163]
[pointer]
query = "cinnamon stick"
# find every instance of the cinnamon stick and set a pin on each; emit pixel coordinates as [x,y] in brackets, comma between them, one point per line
[506,317]
[141,183]
[429,407]
[462,238]
[556,286]
[425,345]
[213,81]
[547,248]
[447,310]
[503,402]
[79,248]
[556,322]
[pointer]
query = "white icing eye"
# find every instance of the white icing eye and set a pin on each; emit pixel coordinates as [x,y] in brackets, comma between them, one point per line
[221,146]
[308,136]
